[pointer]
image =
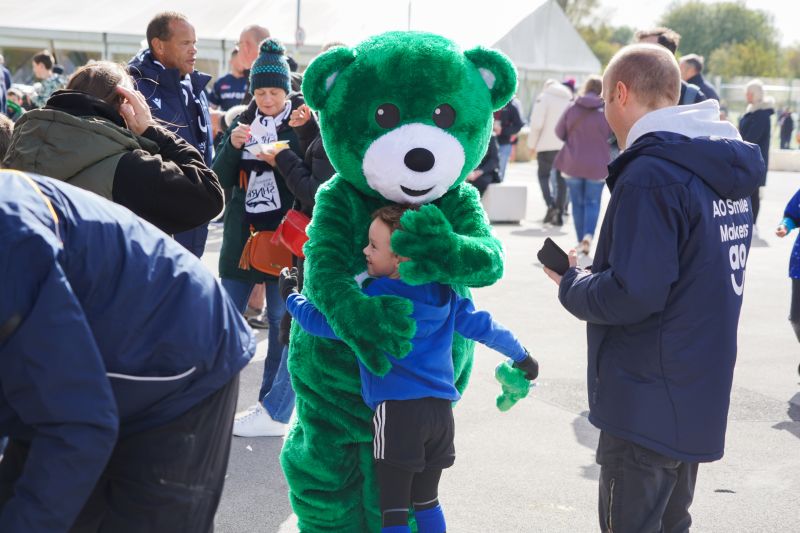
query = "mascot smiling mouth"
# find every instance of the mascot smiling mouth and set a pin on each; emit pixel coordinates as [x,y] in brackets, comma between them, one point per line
[412,192]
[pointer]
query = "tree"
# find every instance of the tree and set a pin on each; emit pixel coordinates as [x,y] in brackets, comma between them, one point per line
[605,40]
[705,28]
[750,58]
[579,12]
[791,61]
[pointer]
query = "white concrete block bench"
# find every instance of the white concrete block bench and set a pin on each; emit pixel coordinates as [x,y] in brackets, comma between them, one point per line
[506,202]
[787,160]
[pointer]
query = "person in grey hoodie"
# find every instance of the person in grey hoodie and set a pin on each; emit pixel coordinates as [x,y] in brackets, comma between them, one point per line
[585,157]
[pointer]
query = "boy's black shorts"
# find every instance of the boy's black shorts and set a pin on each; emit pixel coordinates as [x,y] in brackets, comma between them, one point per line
[414,435]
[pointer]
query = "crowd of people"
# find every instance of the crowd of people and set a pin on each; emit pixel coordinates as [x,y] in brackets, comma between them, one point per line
[124,407]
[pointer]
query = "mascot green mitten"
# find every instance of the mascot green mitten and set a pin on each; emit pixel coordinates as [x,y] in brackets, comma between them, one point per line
[404,116]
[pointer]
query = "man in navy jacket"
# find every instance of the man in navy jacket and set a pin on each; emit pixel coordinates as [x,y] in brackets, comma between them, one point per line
[663,296]
[164,73]
[119,362]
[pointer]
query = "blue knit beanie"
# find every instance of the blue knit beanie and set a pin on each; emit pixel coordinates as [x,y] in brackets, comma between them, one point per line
[270,69]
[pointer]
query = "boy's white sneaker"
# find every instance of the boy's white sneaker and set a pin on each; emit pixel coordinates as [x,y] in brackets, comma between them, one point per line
[256,422]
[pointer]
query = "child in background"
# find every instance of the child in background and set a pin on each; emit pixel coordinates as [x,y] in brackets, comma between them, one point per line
[791,220]
[413,419]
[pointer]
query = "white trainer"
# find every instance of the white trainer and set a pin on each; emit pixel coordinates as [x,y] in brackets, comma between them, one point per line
[256,422]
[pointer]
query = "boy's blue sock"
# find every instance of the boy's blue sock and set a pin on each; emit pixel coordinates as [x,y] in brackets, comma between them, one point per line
[431,520]
[396,529]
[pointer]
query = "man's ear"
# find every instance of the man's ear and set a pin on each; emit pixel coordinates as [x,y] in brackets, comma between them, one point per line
[497,72]
[622,92]
[321,74]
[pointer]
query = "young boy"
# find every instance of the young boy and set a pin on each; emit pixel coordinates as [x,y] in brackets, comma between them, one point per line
[413,419]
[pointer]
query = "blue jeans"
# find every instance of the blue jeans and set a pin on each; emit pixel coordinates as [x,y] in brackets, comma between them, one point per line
[585,196]
[279,401]
[194,240]
[239,292]
[504,154]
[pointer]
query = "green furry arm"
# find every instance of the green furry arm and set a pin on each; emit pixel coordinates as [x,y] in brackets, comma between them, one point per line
[371,326]
[451,244]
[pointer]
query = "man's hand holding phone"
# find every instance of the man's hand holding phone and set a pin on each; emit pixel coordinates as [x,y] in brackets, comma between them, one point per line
[555,260]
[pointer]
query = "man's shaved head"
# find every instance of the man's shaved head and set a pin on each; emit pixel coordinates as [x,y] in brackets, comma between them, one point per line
[649,71]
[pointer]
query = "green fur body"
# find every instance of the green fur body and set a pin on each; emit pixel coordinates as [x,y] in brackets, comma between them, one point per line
[327,457]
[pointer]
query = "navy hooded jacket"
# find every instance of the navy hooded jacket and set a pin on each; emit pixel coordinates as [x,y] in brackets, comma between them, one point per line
[427,371]
[107,327]
[169,101]
[663,297]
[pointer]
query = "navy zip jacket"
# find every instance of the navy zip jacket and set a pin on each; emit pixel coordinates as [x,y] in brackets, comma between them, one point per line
[427,371]
[169,102]
[663,297]
[107,327]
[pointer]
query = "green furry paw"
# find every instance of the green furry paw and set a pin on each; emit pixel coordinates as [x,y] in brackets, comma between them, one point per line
[515,386]
[427,238]
[384,326]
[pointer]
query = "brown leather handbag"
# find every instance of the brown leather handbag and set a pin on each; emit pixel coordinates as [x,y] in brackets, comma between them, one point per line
[260,253]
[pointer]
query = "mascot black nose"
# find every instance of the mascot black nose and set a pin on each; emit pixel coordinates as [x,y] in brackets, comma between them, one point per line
[419,160]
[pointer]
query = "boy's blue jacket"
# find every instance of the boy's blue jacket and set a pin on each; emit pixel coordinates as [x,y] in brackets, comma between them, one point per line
[162,89]
[108,327]
[664,294]
[427,371]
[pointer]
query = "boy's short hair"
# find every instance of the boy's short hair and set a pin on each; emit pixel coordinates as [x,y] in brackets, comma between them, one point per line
[649,72]
[667,38]
[44,58]
[391,214]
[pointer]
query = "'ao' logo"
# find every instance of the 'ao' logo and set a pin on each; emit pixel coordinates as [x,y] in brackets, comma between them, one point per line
[738,257]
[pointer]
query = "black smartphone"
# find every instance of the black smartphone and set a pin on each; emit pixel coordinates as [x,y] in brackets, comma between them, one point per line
[553,257]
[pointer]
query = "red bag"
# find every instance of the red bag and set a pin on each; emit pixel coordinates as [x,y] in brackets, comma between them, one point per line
[292,232]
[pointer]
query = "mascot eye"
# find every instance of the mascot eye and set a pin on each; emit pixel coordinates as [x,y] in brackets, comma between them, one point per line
[444,116]
[387,116]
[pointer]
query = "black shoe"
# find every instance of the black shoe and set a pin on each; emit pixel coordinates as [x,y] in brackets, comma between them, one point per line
[557,219]
[256,323]
[548,217]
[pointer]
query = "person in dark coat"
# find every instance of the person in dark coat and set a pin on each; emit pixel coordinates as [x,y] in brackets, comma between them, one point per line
[786,122]
[755,127]
[692,73]
[176,93]
[664,293]
[98,135]
[508,122]
[487,172]
[119,361]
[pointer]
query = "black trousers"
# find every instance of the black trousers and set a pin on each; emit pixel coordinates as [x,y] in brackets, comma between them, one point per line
[642,491]
[162,480]
[557,198]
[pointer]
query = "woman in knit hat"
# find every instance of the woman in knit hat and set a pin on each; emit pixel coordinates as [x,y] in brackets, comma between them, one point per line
[259,201]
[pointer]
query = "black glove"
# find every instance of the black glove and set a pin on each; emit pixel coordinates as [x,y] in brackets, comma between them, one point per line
[529,365]
[287,282]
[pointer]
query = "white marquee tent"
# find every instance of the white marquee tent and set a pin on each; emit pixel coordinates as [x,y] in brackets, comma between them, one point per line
[535,34]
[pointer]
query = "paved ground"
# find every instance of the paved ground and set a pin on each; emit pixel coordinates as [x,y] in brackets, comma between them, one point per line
[532,469]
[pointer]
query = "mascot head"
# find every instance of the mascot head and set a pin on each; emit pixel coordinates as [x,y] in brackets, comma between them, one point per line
[407,115]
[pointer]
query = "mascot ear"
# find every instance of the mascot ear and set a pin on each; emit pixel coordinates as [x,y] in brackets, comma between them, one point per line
[321,74]
[497,71]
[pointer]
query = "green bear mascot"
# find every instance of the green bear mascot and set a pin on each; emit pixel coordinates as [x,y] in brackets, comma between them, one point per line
[405,116]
